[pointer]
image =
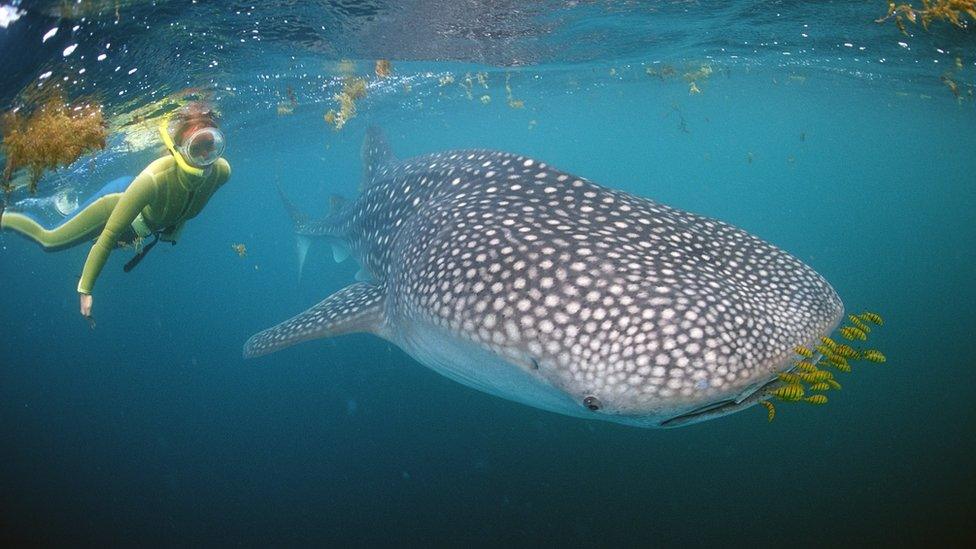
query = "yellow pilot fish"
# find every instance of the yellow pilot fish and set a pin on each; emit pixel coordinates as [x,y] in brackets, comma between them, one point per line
[874,356]
[793,391]
[840,363]
[814,377]
[788,377]
[805,366]
[852,333]
[859,324]
[847,351]
[873,318]
[803,351]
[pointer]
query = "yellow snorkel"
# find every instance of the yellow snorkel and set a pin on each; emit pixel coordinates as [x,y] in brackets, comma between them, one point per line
[168,141]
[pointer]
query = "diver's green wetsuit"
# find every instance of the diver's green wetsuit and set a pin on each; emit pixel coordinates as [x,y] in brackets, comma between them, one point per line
[164,195]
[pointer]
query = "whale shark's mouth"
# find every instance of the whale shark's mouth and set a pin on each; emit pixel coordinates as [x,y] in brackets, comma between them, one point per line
[720,408]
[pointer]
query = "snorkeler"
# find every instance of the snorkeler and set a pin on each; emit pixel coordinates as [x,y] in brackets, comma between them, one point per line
[156,204]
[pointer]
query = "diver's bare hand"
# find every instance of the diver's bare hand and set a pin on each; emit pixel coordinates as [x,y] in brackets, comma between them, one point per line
[86,305]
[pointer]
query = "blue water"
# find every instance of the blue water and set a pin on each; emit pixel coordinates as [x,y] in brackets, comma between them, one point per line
[152,429]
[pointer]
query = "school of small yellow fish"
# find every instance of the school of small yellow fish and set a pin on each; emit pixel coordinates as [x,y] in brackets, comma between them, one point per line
[813,373]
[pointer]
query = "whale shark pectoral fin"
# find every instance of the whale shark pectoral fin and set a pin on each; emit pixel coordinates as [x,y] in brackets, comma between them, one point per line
[302,243]
[355,308]
[340,252]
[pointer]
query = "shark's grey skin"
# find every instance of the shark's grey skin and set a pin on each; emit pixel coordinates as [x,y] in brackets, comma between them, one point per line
[536,285]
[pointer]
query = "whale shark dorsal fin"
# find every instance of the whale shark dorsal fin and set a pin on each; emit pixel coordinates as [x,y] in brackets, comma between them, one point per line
[296,215]
[355,308]
[376,153]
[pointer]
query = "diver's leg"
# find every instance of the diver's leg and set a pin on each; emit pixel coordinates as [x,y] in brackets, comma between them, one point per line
[83,225]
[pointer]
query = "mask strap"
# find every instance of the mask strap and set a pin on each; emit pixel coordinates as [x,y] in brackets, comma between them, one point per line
[168,141]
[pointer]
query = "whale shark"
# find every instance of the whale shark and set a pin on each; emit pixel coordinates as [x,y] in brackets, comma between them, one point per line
[523,281]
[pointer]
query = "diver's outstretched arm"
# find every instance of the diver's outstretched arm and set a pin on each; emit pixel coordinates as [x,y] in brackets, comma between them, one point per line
[140,193]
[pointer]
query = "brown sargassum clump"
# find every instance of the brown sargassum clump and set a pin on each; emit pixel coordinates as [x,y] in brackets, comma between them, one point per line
[353,89]
[51,135]
[955,12]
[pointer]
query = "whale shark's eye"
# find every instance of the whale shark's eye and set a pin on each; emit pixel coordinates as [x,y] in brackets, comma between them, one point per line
[592,403]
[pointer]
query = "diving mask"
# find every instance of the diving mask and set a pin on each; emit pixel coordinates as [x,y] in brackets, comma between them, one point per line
[201,149]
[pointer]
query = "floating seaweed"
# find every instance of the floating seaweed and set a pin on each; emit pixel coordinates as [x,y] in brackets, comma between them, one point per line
[958,13]
[353,89]
[700,74]
[50,136]
[809,374]
[682,123]
[288,107]
[346,67]
[951,84]
[80,9]
[512,102]
[663,72]
[383,68]
[703,72]
[241,249]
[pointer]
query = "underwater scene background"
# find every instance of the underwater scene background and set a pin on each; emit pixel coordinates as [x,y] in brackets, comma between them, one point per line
[839,139]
